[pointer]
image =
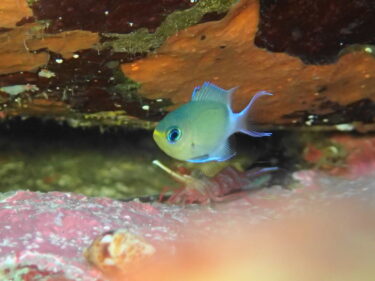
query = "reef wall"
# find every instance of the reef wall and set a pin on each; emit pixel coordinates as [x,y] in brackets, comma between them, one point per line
[116,63]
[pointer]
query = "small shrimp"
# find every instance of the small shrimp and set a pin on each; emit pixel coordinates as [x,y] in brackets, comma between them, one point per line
[227,184]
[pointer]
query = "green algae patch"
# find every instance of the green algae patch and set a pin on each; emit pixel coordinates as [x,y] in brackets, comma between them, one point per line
[28,100]
[142,41]
[106,120]
[361,48]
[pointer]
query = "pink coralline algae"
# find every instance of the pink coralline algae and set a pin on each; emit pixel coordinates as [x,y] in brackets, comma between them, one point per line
[292,231]
[344,156]
[50,231]
[361,156]
[31,273]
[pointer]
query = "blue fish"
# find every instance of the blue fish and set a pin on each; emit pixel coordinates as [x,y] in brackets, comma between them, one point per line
[199,131]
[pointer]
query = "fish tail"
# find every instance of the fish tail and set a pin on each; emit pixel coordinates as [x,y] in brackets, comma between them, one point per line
[243,124]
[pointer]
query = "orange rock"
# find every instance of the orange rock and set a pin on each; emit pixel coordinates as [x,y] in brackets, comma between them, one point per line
[16,46]
[15,55]
[118,250]
[41,107]
[12,11]
[65,43]
[223,52]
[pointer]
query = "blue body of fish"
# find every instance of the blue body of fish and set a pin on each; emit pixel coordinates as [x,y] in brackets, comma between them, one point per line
[199,131]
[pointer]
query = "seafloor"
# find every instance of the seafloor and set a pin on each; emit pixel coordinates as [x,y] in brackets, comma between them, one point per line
[82,85]
[321,230]
[116,163]
[45,156]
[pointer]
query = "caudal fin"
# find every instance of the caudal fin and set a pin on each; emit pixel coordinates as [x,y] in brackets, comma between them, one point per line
[243,124]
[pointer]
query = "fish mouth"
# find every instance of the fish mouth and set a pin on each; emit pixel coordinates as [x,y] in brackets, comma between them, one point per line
[157,134]
[199,159]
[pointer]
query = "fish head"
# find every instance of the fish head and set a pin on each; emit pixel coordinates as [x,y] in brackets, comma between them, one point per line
[191,132]
[173,134]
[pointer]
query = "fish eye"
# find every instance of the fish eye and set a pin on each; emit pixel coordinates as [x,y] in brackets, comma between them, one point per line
[173,134]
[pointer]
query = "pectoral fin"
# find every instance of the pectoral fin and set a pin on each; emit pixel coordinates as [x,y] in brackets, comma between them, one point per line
[224,152]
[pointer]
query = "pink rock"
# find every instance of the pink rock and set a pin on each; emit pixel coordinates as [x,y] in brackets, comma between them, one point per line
[361,156]
[356,153]
[50,231]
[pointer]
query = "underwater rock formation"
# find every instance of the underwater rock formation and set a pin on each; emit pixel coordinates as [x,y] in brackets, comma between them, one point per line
[112,63]
[317,223]
[13,12]
[49,231]
[19,48]
[106,16]
[31,273]
[342,155]
[315,31]
[69,53]
[224,52]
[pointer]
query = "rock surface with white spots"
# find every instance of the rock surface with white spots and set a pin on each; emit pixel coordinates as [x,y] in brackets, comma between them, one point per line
[50,231]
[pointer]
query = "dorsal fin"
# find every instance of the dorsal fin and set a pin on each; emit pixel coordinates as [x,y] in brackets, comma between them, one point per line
[211,92]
